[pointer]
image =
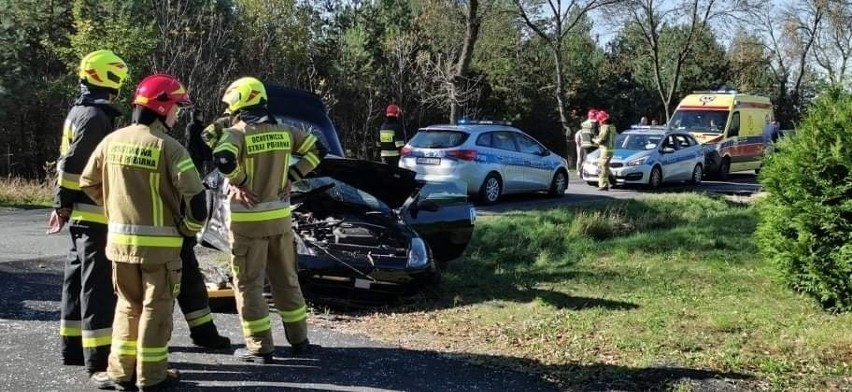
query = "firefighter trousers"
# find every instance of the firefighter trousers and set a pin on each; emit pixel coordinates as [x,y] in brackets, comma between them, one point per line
[276,257]
[603,169]
[88,299]
[391,160]
[143,321]
[193,300]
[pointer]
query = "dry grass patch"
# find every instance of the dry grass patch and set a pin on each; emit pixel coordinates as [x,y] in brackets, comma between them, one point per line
[22,193]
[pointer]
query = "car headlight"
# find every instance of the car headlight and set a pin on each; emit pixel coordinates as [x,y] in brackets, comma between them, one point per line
[637,162]
[302,248]
[417,254]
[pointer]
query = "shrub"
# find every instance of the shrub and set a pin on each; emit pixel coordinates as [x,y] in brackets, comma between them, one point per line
[805,225]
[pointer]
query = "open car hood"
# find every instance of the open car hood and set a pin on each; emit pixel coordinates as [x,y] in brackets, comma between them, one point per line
[392,185]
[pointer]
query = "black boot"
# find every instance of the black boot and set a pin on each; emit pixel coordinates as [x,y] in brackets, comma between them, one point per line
[248,356]
[206,335]
[301,349]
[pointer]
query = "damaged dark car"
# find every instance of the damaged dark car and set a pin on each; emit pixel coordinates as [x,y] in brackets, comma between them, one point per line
[360,226]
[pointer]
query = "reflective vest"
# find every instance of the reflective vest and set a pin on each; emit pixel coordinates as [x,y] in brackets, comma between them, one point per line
[587,131]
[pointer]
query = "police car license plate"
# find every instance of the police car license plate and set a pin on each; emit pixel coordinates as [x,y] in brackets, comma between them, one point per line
[428,161]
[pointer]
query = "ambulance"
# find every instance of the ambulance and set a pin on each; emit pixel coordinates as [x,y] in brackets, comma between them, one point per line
[730,125]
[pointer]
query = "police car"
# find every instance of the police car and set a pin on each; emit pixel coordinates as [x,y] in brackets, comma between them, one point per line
[651,155]
[489,158]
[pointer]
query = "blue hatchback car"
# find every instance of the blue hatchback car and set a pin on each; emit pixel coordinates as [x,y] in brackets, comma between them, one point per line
[650,155]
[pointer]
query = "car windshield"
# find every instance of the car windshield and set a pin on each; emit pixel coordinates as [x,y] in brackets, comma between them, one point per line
[341,191]
[438,139]
[700,120]
[637,142]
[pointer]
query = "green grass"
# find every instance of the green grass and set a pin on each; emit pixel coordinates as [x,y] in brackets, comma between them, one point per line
[20,193]
[648,294]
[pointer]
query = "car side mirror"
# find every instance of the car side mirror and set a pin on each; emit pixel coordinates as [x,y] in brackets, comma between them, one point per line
[667,150]
[428,205]
[545,152]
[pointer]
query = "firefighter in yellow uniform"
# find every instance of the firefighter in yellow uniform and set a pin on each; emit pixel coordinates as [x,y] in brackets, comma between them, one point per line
[153,199]
[255,154]
[606,144]
[391,136]
[88,300]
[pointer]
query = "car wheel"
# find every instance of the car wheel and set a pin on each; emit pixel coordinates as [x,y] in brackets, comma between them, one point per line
[490,190]
[656,178]
[559,184]
[697,174]
[724,169]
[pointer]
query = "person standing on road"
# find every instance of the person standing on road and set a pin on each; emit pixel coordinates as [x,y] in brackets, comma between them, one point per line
[199,151]
[255,154]
[583,139]
[88,300]
[153,198]
[606,143]
[391,136]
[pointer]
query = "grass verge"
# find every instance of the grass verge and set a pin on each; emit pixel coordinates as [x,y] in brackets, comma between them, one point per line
[658,293]
[21,193]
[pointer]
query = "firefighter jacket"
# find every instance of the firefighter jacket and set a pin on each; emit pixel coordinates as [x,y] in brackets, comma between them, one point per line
[588,130]
[606,138]
[258,154]
[144,179]
[91,118]
[391,138]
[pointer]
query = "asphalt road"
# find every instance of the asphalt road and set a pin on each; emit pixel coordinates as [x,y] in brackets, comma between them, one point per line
[30,282]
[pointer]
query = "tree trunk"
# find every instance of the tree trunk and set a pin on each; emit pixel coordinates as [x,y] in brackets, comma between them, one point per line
[470,37]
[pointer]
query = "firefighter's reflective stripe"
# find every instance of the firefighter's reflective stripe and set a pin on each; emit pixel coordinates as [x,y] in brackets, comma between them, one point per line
[185,165]
[156,200]
[257,326]
[192,225]
[121,228]
[230,147]
[70,328]
[313,159]
[124,347]
[260,212]
[295,315]
[69,181]
[144,240]
[386,136]
[250,171]
[399,143]
[198,317]
[68,133]
[307,144]
[390,153]
[285,173]
[88,213]
[153,354]
[97,338]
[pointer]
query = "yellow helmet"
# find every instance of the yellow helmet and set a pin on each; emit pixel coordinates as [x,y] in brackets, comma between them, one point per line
[103,68]
[244,92]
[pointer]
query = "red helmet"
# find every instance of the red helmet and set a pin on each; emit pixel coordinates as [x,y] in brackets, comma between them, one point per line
[159,93]
[602,116]
[593,115]
[393,110]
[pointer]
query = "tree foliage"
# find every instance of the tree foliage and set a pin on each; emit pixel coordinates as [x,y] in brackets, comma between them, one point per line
[537,63]
[806,220]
